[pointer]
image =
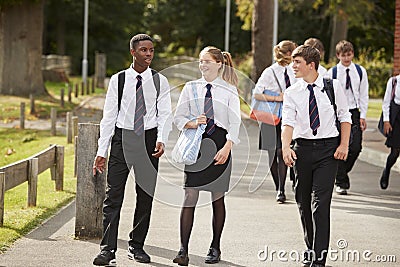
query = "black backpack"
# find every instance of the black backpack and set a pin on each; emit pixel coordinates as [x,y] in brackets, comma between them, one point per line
[328,88]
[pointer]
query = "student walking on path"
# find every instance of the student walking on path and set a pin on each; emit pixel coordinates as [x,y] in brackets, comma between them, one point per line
[218,94]
[271,87]
[134,121]
[317,149]
[391,118]
[354,80]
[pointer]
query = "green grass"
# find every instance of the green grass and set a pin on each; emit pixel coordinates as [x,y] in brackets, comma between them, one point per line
[18,218]
[374,109]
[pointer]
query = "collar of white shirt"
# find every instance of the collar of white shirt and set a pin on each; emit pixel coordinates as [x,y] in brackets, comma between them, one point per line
[319,83]
[216,82]
[146,75]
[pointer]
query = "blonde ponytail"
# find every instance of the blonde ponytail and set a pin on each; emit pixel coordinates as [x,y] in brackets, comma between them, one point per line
[229,74]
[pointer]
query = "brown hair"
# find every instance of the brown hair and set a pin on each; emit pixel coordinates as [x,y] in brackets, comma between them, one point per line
[314,42]
[309,53]
[344,47]
[281,52]
[228,72]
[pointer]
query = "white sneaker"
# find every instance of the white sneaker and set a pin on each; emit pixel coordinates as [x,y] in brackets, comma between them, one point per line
[341,191]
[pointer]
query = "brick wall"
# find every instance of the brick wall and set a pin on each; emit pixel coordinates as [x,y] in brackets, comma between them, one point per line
[396,63]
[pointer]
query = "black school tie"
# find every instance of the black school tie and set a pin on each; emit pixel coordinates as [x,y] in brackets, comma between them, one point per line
[313,110]
[287,80]
[394,84]
[140,109]
[348,81]
[209,111]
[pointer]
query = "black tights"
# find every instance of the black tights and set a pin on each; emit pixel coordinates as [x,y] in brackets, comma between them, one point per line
[391,159]
[187,217]
[278,169]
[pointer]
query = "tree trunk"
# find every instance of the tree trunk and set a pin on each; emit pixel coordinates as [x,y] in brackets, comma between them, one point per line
[262,34]
[21,28]
[339,30]
[396,56]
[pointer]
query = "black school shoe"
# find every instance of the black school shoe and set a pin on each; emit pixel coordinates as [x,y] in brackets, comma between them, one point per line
[138,254]
[182,258]
[384,182]
[105,258]
[213,256]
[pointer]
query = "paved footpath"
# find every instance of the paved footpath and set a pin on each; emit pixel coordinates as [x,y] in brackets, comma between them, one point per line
[364,223]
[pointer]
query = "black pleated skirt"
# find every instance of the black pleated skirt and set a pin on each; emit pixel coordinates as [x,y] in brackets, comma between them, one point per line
[393,140]
[204,175]
[270,137]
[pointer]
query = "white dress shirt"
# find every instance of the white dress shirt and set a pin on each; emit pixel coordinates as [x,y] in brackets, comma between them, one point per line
[388,97]
[358,97]
[267,79]
[126,116]
[295,109]
[226,105]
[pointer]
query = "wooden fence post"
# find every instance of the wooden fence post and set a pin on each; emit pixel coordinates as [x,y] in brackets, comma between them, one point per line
[69,127]
[22,116]
[59,168]
[32,181]
[2,192]
[69,93]
[75,158]
[90,190]
[83,88]
[93,85]
[88,86]
[62,97]
[74,127]
[76,90]
[53,118]
[32,102]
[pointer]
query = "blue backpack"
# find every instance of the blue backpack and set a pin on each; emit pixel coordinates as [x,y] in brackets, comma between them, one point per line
[334,72]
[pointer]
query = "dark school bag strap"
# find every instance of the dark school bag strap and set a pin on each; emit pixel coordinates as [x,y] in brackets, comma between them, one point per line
[121,83]
[358,68]
[156,81]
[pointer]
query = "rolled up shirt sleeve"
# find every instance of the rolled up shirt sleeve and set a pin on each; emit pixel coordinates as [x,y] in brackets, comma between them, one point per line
[234,118]
[110,113]
[182,112]
[164,117]
[386,100]
[288,111]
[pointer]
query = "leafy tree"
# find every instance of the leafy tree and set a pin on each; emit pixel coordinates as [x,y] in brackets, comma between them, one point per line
[359,21]
[111,25]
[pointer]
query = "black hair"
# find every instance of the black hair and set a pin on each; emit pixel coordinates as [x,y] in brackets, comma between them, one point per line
[137,38]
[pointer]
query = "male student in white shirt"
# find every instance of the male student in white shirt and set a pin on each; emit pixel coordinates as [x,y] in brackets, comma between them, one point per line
[135,122]
[309,118]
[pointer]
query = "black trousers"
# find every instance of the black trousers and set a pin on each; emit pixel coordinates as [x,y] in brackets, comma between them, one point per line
[342,177]
[129,151]
[315,170]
